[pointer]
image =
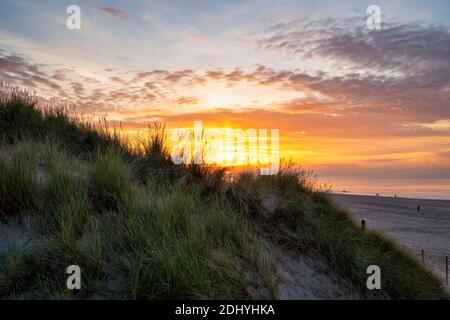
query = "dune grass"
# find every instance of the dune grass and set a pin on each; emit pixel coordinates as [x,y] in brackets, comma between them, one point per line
[142,228]
[18,183]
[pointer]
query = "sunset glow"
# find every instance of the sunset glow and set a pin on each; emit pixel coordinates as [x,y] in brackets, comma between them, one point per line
[347,100]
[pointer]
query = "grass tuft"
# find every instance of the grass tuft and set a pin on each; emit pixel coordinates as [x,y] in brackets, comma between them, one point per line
[110,182]
[19,187]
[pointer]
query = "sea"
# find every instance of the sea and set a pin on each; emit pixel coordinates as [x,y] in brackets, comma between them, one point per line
[408,188]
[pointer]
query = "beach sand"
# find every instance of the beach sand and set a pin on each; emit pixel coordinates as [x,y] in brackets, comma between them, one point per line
[398,218]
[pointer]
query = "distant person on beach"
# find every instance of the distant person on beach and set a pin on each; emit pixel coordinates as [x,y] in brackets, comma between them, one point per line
[418,208]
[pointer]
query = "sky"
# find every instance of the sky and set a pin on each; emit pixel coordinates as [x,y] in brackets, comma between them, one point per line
[348,101]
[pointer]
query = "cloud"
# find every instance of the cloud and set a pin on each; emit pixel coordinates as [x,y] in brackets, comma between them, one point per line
[187,100]
[178,75]
[116,13]
[78,88]
[123,58]
[18,70]
[440,125]
[385,82]
[195,36]
[445,154]
[401,72]
[407,50]
[371,105]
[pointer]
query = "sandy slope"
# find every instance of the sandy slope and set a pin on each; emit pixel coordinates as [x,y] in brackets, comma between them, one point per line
[306,278]
[398,218]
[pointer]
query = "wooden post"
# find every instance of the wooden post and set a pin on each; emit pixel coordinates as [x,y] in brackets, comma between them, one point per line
[363,225]
[446,270]
[423,257]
